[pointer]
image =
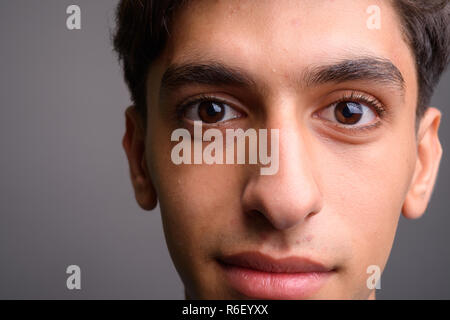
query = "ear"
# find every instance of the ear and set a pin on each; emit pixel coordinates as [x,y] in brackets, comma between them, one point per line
[134,144]
[429,153]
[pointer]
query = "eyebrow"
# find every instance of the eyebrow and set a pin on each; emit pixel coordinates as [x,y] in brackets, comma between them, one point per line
[208,73]
[375,69]
[215,73]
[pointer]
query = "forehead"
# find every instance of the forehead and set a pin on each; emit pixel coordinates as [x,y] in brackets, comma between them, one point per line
[272,39]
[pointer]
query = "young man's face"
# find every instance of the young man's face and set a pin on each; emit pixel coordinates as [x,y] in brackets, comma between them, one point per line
[343,97]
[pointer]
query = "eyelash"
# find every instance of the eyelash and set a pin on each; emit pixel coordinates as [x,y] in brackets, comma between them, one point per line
[354,96]
[362,98]
[371,102]
[181,108]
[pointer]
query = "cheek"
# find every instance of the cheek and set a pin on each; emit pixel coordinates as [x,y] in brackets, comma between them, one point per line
[196,195]
[366,185]
[364,188]
[198,202]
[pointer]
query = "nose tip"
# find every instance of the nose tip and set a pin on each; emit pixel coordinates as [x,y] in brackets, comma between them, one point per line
[284,201]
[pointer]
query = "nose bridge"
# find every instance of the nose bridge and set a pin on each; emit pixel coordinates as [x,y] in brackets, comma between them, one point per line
[292,194]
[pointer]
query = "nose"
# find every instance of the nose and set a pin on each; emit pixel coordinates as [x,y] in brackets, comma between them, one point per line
[291,195]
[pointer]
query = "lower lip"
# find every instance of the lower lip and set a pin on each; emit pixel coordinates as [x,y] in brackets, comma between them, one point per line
[257,284]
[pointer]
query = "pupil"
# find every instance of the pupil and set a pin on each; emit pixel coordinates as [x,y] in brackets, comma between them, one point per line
[213,109]
[350,109]
[348,112]
[211,112]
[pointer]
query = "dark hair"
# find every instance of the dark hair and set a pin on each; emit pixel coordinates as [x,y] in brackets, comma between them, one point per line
[143,27]
[426,29]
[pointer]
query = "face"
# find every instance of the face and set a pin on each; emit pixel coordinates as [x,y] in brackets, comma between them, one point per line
[343,98]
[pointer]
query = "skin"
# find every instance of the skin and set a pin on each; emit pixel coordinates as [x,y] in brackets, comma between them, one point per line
[338,194]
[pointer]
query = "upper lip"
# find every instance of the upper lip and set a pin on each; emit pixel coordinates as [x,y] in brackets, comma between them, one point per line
[265,263]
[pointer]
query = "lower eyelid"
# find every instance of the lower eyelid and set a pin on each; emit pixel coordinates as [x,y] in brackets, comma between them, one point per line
[356,129]
[351,128]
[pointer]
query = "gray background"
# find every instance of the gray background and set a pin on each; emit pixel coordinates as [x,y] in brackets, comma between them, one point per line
[65,193]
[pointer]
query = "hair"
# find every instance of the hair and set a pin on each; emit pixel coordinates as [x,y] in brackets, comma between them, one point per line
[142,29]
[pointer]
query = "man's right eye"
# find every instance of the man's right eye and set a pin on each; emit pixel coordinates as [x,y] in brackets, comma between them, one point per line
[210,110]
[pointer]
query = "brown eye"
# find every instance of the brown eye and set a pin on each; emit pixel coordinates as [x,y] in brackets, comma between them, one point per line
[348,112]
[210,111]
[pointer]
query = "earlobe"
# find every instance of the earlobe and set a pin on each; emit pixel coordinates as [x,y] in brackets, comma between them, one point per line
[133,143]
[429,153]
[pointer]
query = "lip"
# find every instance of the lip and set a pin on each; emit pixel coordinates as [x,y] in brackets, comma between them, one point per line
[260,276]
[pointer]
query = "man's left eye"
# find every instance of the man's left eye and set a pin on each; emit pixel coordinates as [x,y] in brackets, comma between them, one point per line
[349,113]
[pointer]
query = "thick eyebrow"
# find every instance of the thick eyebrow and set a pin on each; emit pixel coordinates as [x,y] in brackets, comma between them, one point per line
[209,73]
[373,69]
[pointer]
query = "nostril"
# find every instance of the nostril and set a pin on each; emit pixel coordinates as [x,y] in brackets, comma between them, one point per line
[311,214]
[258,219]
[270,221]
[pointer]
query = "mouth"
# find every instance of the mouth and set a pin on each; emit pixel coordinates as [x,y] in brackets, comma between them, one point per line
[259,276]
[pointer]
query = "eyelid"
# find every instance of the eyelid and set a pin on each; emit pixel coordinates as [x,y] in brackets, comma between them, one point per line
[183,106]
[187,105]
[355,96]
[363,98]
